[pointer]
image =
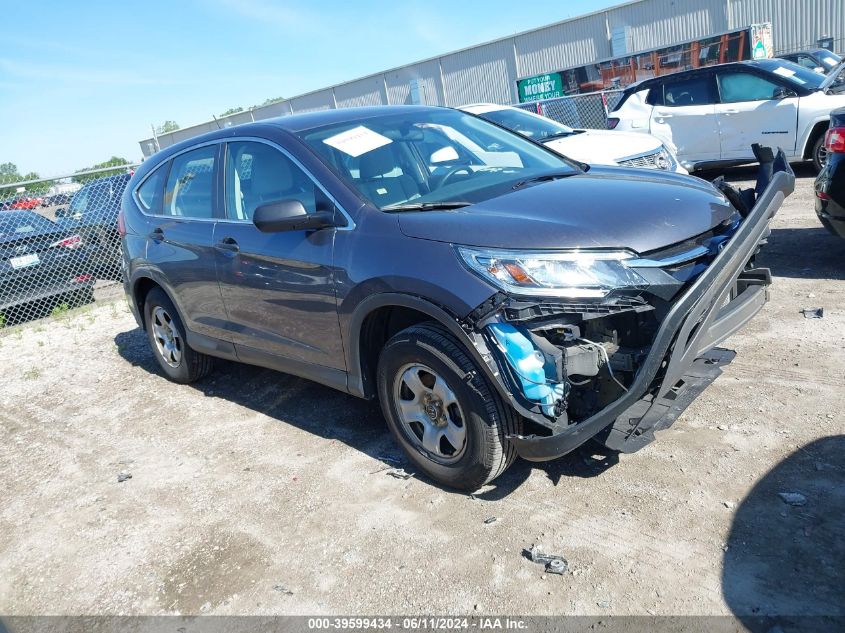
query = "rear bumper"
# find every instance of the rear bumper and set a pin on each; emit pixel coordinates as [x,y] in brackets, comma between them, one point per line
[681,364]
[830,184]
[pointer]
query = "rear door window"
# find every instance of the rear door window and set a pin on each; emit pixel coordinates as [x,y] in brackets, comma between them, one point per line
[190,185]
[692,91]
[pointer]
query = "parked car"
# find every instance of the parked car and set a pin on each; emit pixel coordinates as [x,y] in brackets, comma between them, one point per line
[830,183]
[497,301]
[92,213]
[25,203]
[713,115]
[594,147]
[56,199]
[39,260]
[819,60]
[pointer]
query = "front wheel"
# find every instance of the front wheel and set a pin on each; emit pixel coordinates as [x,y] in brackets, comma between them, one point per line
[442,411]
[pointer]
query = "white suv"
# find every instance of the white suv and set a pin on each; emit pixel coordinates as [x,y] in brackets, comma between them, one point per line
[713,115]
[595,147]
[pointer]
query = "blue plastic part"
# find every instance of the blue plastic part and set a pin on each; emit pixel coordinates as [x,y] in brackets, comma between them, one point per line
[528,364]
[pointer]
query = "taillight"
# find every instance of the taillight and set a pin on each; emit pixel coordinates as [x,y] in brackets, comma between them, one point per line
[121,224]
[834,140]
[74,241]
[612,122]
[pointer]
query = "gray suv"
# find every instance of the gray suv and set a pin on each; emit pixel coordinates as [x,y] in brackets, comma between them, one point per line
[497,298]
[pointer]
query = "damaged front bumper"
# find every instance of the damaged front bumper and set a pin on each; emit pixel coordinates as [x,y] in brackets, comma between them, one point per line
[681,361]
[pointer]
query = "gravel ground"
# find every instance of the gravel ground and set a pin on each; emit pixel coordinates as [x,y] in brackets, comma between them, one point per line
[255,492]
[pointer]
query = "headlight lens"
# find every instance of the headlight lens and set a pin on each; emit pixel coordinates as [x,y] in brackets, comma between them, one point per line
[665,160]
[584,274]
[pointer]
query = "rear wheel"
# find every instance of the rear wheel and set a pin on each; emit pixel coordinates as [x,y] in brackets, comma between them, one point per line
[819,154]
[441,410]
[166,335]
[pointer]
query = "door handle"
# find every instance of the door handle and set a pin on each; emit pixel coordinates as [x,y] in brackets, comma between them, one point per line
[731,111]
[663,116]
[156,235]
[228,245]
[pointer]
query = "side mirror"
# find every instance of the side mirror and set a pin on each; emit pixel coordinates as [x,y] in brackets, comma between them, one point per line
[783,93]
[289,215]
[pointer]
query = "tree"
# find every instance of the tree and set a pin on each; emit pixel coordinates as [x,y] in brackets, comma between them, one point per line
[271,101]
[114,161]
[9,173]
[167,126]
[232,111]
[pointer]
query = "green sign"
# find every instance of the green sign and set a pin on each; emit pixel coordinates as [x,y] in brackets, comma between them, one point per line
[546,86]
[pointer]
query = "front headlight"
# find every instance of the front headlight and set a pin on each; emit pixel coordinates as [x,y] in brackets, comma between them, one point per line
[665,160]
[553,273]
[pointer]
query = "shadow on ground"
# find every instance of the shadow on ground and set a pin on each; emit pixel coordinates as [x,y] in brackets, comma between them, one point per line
[805,253]
[331,414]
[785,563]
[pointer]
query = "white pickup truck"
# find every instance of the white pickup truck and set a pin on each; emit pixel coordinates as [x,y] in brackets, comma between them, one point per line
[713,115]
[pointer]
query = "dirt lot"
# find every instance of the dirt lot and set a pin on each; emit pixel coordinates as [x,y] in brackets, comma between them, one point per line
[257,492]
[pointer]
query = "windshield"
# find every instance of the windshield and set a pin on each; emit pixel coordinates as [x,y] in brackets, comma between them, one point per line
[530,125]
[828,59]
[425,157]
[793,73]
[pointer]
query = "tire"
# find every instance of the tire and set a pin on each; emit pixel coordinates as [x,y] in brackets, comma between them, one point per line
[179,362]
[442,366]
[819,154]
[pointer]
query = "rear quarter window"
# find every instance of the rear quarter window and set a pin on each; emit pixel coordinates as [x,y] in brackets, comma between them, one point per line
[190,184]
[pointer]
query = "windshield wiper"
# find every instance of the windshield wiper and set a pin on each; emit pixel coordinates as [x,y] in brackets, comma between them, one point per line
[425,206]
[545,177]
[551,137]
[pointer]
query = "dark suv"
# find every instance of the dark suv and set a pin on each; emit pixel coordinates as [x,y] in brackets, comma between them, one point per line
[497,298]
[92,213]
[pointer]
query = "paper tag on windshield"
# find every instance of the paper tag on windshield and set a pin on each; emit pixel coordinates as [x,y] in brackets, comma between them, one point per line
[359,140]
[783,72]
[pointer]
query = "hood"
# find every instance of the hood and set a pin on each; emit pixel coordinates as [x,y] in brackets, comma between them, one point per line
[603,208]
[833,75]
[604,147]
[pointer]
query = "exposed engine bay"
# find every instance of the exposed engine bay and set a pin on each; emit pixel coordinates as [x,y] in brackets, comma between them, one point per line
[565,361]
[572,364]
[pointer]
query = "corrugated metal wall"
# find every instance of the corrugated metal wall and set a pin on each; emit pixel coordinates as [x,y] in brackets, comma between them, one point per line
[795,23]
[562,45]
[364,92]
[427,75]
[488,72]
[483,73]
[658,23]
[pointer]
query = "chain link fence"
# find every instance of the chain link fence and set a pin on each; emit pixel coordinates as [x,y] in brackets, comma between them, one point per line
[578,111]
[59,244]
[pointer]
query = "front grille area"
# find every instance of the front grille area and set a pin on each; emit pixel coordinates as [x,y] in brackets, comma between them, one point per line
[686,260]
[649,161]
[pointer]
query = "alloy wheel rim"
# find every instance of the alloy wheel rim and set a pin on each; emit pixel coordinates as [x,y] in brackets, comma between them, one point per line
[167,339]
[821,156]
[430,415]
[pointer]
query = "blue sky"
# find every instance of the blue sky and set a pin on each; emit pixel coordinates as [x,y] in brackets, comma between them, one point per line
[82,81]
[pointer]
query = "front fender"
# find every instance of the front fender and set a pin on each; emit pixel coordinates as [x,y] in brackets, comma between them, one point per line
[472,343]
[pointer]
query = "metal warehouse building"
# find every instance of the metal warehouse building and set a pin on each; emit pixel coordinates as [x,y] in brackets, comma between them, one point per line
[489,72]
